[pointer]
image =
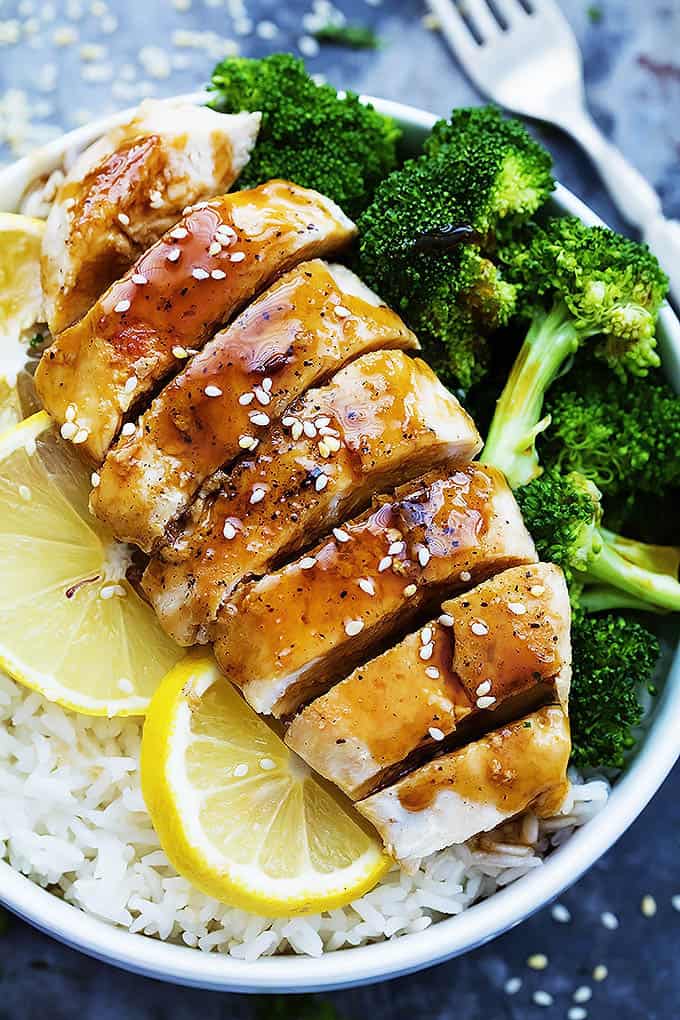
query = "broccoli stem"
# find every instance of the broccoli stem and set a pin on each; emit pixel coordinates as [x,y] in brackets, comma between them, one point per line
[511,442]
[598,598]
[641,572]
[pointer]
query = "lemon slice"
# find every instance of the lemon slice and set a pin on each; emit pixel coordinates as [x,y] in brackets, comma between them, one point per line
[10,407]
[71,626]
[238,815]
[21,297]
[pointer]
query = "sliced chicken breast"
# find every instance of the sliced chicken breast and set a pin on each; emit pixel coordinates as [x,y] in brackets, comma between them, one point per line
[287,637]
[384,417]
[306,326]
[127,189]
[471,790]
[202,271]
[494,654]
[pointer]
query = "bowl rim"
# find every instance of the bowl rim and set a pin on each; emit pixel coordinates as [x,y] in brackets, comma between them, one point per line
[444,939]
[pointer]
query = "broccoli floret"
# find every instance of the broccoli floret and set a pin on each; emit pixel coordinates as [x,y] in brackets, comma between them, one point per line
[338,146]
[613,658]
[575,282]
[624,438]
[522,180]
[563,514]
[428,238]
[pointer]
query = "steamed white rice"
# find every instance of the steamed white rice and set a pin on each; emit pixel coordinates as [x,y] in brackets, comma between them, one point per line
[73,820]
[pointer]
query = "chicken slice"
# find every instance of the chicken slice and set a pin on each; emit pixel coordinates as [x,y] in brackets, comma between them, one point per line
[174,297]
[382,418]
[480,663]
[127,189]
[471,790]
[308,324]
[437,535]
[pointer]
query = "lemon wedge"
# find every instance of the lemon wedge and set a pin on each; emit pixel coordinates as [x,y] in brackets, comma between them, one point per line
[71,626]
[238,815]
[10,407]
[21,297]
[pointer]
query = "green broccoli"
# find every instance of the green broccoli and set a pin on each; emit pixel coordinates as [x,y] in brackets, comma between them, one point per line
[623,438]
[563,514]
[427,241]
[576,282]
[354,37]
[613,659]
[339,146]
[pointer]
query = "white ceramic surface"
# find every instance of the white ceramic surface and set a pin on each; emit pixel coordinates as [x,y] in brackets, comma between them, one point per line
[655,757]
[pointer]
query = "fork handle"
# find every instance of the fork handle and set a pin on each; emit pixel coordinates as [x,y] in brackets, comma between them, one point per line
[633,195]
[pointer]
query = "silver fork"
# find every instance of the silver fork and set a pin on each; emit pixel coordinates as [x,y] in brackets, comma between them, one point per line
[524,56]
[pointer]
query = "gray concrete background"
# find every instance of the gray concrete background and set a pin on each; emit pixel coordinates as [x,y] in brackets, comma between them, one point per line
[631,51]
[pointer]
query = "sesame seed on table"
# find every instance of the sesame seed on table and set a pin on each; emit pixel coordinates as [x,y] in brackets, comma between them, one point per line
[610,942]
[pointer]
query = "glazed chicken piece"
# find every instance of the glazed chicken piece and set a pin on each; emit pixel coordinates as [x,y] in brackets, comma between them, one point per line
[384,417]
[308,324]
[194,279]
[127,189]
[473,789]
[493,654]
[449,529]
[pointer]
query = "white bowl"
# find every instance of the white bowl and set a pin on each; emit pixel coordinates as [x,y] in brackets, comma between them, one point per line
[347,967]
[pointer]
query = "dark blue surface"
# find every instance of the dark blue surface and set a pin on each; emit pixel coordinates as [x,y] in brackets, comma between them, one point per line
[634,92]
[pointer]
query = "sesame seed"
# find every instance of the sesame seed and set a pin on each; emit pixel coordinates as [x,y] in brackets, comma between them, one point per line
[307,562]
[309,429]
[600,973]
[257,496]
[107,592]
[173,255]
[486,702]
[648,906]
[426,651]
[287,421]
[542,998]
[479,628]
[237,256]
[246,442]
[95,480]
[241,770]
[332,443]
[436,733]
[122,306]
[128,429]
[340,535]
[68,430]
[199,273]
[212,391]
[139,279]
[560,914]
[262,396]
[366,585]
[180,352]
[124,219]
[577,1013]
[296,431]
[354,627]
[81,436]
[324,450]
[395,548]
[512,985]
[426,635]
[324,430]
[259,418]
[537,961]
[446,620]
[267,384]
[432,672]
[246,398]
[321,482]
[125,685]
[609,920]
[342,312]
[267,764]
[518,608]
[583,994]
[465,575]
[229,531]
[131,384]
[385,564]
[179,233]
[423,556]
[218,274]
[483,689]
[410,590]
[537,589]
[215,248]
[70,412]
[322,422]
